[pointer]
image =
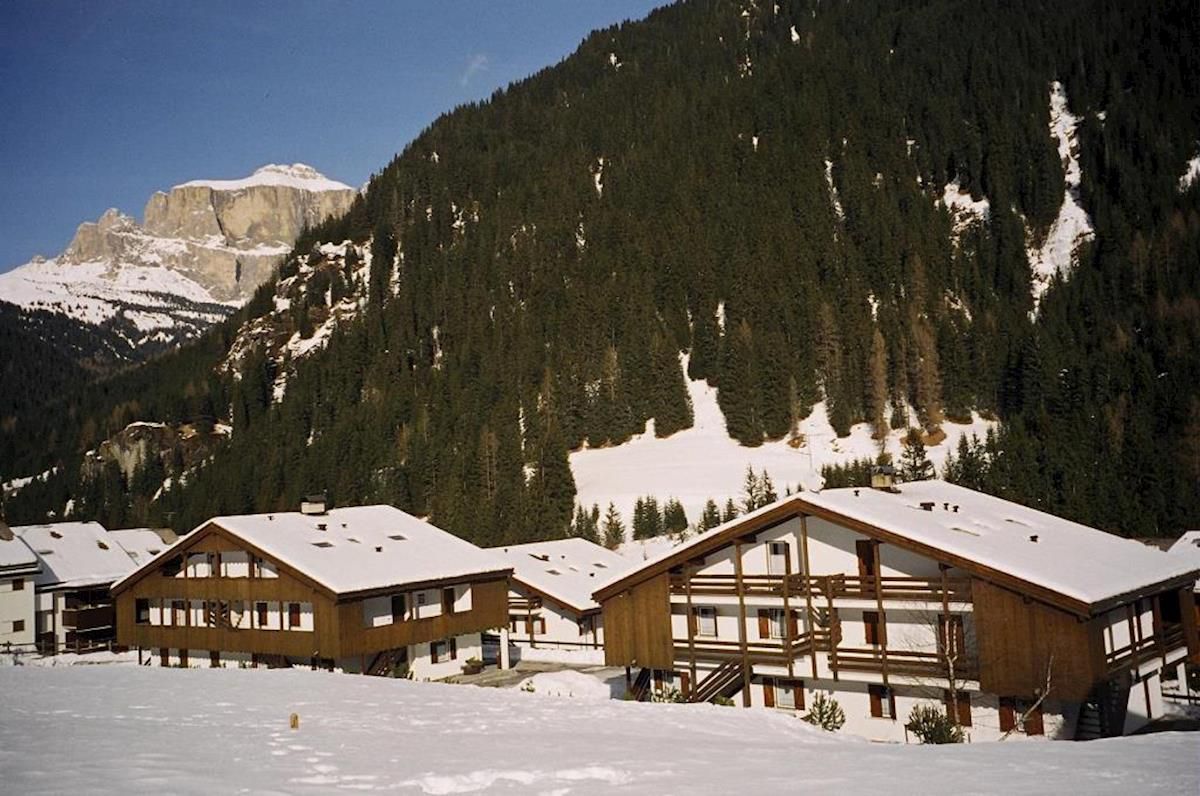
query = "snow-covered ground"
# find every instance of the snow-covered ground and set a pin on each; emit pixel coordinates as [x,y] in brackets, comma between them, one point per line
[704,462]
[1072,227]
[128,729]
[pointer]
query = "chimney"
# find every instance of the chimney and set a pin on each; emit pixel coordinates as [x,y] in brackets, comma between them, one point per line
[313,505]
[928,505]
[883,476]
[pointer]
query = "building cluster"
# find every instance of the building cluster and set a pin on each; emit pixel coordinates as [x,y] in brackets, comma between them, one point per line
[1012,620]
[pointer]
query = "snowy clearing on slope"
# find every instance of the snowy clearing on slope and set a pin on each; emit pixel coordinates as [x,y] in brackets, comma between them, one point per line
[1190,175]
[704,462]
[134,729]
[964,209]
[1072,226]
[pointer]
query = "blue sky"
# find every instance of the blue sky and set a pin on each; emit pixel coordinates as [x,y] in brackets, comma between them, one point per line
[103,103]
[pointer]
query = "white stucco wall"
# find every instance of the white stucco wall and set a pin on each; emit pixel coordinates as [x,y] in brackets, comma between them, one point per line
[17,605]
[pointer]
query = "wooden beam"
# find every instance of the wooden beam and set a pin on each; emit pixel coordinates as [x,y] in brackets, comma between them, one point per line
[687,585]
[883,639]
[834,627]
[741,595]
[808,606]
[787,613]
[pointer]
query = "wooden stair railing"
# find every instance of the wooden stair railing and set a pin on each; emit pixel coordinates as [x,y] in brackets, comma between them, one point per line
[717,681]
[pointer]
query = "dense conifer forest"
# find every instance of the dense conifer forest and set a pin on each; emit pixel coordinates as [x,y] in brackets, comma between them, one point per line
[756,186]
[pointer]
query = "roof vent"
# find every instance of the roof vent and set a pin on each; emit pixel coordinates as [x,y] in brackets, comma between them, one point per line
[55,535]
[540,556]
[927,505]
[101,545]
[1033,538]
[945,507]
[322,526]
[397,537]
[313,505]
[378,549]
[856,493]
[955,508]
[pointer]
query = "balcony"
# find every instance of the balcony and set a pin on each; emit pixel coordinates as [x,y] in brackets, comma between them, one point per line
[775,651]
[825,587]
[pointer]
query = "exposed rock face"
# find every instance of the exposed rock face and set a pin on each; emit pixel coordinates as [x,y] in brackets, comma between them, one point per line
[203,249]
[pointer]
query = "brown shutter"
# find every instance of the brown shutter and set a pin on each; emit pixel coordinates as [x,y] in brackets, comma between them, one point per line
[764,623]
[876,704]
[694,622]
[1034,724]
[164,656]
[798,694]
[964,709]
[871,624]
[794,621]
[769,692]
[453,648]
[685,683]
[1008,719]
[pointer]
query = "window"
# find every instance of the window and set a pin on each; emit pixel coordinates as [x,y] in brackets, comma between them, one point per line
[773,623]
[1011,711]
[883,702]
[951,637]
[173,567]
[705,620]
[261,610]
[783,694]
[964,706]
[399,607]
[442,651]
[141,611]
[448,600]
[18,584]
[514,622]
[178,613]
[871,626]
[293,616]
[18,625]
[777,558]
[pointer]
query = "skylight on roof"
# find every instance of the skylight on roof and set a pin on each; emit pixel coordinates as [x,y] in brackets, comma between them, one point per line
[55,535]
[101,545]
[322,544]
[399,537]
[553,572]
[600,565]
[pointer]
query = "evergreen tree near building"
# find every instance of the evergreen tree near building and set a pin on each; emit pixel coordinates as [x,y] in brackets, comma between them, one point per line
[614,529]
[710,517]
[674,519]
[914,464]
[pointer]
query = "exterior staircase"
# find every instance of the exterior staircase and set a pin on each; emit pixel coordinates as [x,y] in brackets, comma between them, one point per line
[719,680]
[641,686]
[1102,714]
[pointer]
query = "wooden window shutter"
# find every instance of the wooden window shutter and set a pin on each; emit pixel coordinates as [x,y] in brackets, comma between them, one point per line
[764,623]
[876,703]
[798,694]
[693,622]
[769,692]
[1034,724]
[794,621]
[865,548]
[871,625]
[453,648]
[1008,718]
[685,683]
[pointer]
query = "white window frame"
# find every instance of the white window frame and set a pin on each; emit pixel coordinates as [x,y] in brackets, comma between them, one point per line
[777,623]
[706,613]
[777,561]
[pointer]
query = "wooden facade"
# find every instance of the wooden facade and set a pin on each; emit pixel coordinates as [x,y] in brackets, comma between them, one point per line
[637,625]
[1024,637]
[338,626]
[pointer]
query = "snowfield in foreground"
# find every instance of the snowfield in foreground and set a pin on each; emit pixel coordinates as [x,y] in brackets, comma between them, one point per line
[128,729]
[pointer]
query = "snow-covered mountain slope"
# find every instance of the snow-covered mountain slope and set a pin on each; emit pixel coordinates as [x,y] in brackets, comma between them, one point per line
[132,729]
[1073,226]
[703,462]
[202,250]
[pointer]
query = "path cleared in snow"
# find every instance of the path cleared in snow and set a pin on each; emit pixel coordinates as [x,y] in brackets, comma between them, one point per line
[129,729]
[704,462]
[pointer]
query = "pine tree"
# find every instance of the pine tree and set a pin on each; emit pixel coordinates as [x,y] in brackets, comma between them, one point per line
[914,464]
[731,511]
[710,517]
[751,491]
[614,529]
[674,517]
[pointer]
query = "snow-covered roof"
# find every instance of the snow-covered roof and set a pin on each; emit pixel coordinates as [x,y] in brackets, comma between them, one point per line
[297,175]
[361,547]
[15,556]
[143,544]
[75,554]
[1187,548]
[1076,561]
[568,570]
[1071,559]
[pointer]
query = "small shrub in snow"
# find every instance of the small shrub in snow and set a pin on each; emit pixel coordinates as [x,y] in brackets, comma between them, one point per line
[826,713]
[932,725]
[528,687]
[723,701]
[667,694]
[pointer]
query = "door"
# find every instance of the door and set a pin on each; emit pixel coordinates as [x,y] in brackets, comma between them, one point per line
[164,656]
[865,548]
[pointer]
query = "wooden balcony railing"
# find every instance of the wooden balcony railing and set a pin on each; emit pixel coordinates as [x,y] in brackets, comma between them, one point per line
[825,586]
[912,663]
[774,651]
[1136,653]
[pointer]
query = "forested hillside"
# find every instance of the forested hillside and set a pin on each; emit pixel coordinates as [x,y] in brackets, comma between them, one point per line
[761,186]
